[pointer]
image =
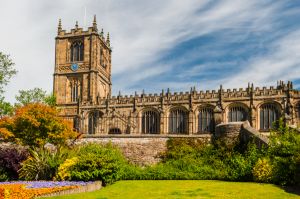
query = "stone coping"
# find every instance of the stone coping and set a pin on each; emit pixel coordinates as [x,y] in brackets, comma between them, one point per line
[230,123]
[149,136]
[82,189]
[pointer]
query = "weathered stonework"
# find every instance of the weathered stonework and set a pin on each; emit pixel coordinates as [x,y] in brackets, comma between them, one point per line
[92,109]
[233,133]
[138,150]
[229,133]
[249,133]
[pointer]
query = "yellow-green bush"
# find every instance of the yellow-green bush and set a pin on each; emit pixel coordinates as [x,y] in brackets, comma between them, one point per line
[262,170]
[63,172]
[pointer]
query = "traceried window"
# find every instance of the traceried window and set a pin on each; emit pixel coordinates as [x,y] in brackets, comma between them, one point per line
[268,115]
[74,91]
[93,122]
[206,120]
[76,123]
[150,122]
[101,58]
[76,51]
[237,114]
[178,122]
[298,110]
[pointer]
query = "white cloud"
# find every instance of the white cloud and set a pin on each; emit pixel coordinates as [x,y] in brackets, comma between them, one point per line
[282,63]
[141,32]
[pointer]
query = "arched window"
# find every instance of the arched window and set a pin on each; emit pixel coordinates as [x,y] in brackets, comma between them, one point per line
[101,58]
[237,114]
[206,122]
[298,110]
[268,115]
[150,122]
[74,91]
[76,123]
[77,51]
[178,121]
[93,122]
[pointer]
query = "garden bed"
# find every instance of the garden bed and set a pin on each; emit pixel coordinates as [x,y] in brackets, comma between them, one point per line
[33,189]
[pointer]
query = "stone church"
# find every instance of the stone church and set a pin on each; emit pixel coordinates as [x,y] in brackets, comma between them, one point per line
[82,85]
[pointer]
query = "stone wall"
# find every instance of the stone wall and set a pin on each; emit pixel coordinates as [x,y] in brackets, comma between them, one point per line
[140,150]
[248,132]
[228,132]
[234,132]
[82,189]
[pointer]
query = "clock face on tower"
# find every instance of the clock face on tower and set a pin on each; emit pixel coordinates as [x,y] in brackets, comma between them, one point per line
[74,67]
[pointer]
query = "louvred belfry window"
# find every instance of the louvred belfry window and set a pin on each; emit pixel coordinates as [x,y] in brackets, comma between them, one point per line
[76,51]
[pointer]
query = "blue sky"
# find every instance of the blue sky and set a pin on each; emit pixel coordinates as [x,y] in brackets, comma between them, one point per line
[162,44]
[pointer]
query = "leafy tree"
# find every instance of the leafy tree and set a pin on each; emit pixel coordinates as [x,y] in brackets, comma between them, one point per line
[36,124]
[6,71]
[33,96]
[50,100]
[30,96]
[6,108]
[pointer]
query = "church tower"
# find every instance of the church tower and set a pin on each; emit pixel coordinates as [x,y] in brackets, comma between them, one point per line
[82,72]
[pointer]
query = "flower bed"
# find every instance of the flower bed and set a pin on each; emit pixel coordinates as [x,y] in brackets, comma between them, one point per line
[32,189]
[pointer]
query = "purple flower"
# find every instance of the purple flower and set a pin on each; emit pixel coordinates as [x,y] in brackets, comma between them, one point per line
[47,184]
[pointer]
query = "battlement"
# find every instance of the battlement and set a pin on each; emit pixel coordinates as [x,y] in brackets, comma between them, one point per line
[78,31]
[241,93]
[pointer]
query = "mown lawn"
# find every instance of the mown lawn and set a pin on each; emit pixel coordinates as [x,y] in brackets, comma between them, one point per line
[184,189]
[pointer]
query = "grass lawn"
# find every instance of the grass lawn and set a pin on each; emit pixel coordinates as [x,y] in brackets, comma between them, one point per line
[184,189]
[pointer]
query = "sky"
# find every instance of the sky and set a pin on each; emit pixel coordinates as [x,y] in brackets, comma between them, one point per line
[160,44]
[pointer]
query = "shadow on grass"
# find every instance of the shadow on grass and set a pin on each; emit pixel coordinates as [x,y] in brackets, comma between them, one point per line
[192,193]
[292,189]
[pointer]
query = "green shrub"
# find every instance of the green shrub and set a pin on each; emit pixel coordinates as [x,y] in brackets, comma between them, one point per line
[186,158]
[238,168]
[284,153]
[4,175]
[262,171]
[240,162]
[182,147]
[10,160]
[285,171]
[97,162]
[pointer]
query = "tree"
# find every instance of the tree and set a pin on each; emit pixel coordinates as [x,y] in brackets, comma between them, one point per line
[35,125]
[6,71]
[6,108]
[50,100]
[30,96]
[35,95]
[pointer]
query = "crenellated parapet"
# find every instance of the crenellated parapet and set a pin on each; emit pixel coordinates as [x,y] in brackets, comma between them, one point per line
[77,31]
[197,96]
